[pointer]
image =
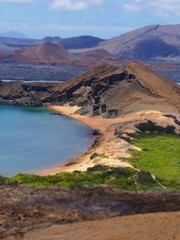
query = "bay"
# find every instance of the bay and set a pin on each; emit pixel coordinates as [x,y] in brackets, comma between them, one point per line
[33,139]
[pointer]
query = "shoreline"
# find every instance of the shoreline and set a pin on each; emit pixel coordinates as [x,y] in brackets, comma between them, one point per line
[69,166]
[114,150]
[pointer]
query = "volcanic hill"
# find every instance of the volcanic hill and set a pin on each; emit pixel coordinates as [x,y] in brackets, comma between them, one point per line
[149,42]
[50,53]
[105,91]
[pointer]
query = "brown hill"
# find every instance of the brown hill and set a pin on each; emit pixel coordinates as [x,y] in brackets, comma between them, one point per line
[51,53]
[112,92]
[96,55]
[105,91]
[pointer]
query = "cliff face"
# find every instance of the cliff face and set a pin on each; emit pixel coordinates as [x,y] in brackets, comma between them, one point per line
[37,94]
[17,93]
[111,92]
[105,91]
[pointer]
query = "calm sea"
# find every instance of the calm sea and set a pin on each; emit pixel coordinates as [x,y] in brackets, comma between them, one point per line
[33,139]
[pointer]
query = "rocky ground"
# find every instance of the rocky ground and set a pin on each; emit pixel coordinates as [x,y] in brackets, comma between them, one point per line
[24,209]
[36,72]
[172,73]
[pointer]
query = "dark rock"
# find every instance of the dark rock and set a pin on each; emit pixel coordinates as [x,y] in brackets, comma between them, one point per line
[97,100]
[96,107]
[103,108]
[94,155]
[113,112]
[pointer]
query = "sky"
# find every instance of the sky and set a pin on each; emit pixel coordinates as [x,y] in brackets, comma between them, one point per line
[101,18]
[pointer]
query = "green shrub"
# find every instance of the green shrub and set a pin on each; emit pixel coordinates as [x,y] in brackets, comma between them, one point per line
[151,127]
[98,168]
[3,179]
[169,130]
[145,179]
[103,155]
[121,183]
[148,126]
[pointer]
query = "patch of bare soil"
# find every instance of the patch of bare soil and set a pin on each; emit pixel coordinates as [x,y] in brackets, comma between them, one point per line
[159,226]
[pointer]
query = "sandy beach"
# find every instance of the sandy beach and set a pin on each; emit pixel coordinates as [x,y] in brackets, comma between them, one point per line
[113,151]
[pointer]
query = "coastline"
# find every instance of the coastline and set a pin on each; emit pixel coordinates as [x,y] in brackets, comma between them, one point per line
[114,150]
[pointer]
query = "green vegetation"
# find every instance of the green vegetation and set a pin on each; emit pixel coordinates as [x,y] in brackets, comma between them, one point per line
[3,179]
[121,178]
[160,157]
[103,155]
[151,127]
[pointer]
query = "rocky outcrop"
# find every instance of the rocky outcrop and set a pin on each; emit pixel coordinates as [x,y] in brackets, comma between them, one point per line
[18,93]
[23,209]
[104,91]
[37,94]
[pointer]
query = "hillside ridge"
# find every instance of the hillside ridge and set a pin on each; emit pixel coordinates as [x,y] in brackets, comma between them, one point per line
[105,91]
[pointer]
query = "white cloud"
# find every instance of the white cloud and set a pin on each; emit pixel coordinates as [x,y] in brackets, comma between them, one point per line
[158,7]
[17,1]
[74,5]
[130,8]
[68,5]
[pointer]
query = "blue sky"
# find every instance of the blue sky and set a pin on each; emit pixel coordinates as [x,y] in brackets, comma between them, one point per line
[102,18]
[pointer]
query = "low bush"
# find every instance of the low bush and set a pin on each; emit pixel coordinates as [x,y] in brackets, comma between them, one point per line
[121,178]
[3,179]
[151,127]
[102,155]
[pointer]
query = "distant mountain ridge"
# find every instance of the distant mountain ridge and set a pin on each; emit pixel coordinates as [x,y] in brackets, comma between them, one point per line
[81,42]
[14,34]
[10,44]
[149,42]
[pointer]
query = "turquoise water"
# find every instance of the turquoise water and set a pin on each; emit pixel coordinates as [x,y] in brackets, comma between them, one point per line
[33,139]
